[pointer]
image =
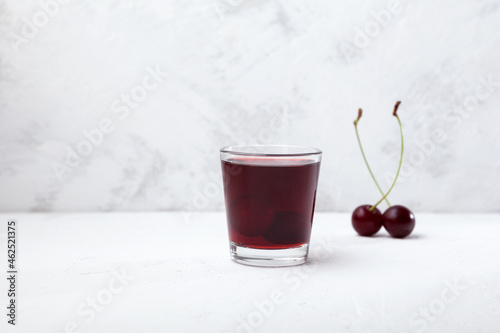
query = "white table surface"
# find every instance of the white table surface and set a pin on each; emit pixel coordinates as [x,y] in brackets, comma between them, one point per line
[445,277]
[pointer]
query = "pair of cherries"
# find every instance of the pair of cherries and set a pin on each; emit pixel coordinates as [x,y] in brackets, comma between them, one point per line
[398,220]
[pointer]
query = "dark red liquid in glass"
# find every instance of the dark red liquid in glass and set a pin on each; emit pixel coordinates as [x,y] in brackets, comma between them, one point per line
[270,202]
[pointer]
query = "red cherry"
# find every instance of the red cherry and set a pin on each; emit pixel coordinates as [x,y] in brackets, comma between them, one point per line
[289,228]
[366,222]
[399,221]
[250,215]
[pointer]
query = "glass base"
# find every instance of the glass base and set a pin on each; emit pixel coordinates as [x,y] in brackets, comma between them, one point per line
[269,258]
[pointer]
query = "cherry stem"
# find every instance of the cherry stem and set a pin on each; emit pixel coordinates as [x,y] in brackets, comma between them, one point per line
[360,113]
[395,114]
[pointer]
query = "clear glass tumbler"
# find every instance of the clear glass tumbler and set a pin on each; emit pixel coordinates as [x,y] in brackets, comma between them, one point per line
[270,191]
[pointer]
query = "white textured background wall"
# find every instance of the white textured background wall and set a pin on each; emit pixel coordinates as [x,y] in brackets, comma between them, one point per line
[246,71]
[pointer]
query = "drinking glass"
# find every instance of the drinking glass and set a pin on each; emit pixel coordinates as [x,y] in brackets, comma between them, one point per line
[270,192]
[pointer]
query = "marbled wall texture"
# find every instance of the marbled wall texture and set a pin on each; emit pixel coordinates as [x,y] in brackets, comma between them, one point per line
[123,105]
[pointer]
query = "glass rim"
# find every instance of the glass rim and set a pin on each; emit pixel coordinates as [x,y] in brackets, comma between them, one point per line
[238,150]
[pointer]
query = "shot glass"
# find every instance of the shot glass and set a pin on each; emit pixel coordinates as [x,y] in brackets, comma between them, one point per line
[270,192]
